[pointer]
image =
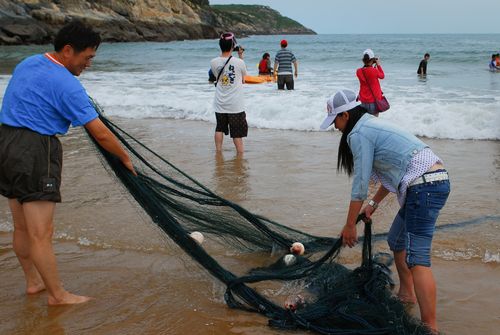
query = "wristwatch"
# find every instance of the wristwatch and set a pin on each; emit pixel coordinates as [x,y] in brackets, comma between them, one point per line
[372,203]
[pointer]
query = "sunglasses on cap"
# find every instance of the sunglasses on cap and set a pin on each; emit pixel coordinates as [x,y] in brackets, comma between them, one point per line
[228,37]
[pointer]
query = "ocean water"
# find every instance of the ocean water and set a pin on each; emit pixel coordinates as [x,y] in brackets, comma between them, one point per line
[109,249]
[459,98]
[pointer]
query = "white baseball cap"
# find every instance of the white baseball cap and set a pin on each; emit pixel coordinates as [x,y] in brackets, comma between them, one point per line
[342,101]
[369,52]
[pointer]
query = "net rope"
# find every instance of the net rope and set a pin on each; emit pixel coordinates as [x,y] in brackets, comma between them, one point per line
[329,298]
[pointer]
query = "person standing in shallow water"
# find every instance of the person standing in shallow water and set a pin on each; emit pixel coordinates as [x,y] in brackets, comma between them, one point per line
[422,67]
[373,149]
[369,85]
[228,104]
[283,67]
[493,64]
[42,99]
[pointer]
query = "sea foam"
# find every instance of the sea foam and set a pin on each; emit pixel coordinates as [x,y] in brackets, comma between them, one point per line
[437,114]
[459,98]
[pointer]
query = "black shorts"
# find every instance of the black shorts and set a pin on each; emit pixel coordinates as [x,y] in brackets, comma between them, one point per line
[28,171]
[285,79]
[234,123]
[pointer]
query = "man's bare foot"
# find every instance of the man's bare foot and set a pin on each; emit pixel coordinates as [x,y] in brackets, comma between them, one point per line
[35,288]
[68,299]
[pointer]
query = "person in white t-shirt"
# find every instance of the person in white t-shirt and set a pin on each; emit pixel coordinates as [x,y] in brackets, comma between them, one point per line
[228,103]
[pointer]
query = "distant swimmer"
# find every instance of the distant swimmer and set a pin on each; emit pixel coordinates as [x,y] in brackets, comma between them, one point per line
[422,67]
[494,64]
[265,65]
[283,67]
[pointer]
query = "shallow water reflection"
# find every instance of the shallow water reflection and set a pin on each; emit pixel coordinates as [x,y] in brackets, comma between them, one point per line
[144,284]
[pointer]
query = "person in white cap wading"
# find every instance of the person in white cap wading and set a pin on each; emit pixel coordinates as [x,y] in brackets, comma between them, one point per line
[370,148]
[229,105]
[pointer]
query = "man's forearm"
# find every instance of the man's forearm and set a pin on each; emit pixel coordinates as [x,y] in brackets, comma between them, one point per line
[106,139]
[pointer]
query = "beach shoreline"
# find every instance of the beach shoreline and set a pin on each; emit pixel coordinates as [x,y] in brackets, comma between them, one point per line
[108,248]
[114,278]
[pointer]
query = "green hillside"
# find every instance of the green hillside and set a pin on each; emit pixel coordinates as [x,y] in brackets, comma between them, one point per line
[256,19]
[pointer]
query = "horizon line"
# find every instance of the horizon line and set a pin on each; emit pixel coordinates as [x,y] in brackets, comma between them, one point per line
[414,33]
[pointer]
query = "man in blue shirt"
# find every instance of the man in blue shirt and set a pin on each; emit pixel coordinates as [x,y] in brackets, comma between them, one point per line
[43,99]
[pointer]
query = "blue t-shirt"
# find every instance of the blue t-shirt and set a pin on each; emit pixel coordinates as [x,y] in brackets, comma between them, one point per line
[45,97]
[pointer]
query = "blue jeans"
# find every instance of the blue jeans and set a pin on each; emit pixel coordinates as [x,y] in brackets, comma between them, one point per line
[413,227]
[370,107]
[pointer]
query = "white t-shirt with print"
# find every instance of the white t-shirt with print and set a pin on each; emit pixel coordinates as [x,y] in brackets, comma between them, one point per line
[229,90]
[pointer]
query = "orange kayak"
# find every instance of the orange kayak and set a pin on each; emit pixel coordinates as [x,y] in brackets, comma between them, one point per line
[258,79]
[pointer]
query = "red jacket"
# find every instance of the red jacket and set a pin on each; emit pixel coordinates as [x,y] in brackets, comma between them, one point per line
[264,67]
[369,76]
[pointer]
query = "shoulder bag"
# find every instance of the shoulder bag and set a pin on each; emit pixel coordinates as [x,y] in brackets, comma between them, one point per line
[382,104]
[222,70]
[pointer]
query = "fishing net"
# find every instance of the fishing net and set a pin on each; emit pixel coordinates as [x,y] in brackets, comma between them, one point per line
[310,291]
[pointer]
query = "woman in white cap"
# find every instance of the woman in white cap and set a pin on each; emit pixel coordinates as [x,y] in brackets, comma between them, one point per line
[369,85]
[371,148]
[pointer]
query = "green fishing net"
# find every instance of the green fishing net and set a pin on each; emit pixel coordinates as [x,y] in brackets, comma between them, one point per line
[326,297]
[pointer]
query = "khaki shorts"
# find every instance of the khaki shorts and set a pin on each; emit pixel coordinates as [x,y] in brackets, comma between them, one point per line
[28,171]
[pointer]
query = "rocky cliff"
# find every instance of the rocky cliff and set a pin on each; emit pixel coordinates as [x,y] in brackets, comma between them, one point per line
[36,21]
[257,20]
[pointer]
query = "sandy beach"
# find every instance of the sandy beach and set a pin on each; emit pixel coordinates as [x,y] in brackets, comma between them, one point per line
[109,249]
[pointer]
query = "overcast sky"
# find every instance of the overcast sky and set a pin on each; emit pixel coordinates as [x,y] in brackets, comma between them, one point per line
[388,16]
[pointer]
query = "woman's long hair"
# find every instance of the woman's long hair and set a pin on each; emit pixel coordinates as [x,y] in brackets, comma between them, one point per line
[345,160]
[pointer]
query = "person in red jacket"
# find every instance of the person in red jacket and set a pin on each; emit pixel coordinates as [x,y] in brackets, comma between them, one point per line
[369,85]
[265,65]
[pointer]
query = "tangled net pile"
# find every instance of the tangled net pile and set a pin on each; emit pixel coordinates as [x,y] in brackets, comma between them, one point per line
[333,299]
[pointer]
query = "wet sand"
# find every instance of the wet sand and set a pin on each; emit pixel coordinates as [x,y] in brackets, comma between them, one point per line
[107,248]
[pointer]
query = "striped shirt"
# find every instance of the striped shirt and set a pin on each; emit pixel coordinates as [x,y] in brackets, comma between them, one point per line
[419,164]
[284,58]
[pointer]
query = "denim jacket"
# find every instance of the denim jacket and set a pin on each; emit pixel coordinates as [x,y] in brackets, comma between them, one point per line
[381,147]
